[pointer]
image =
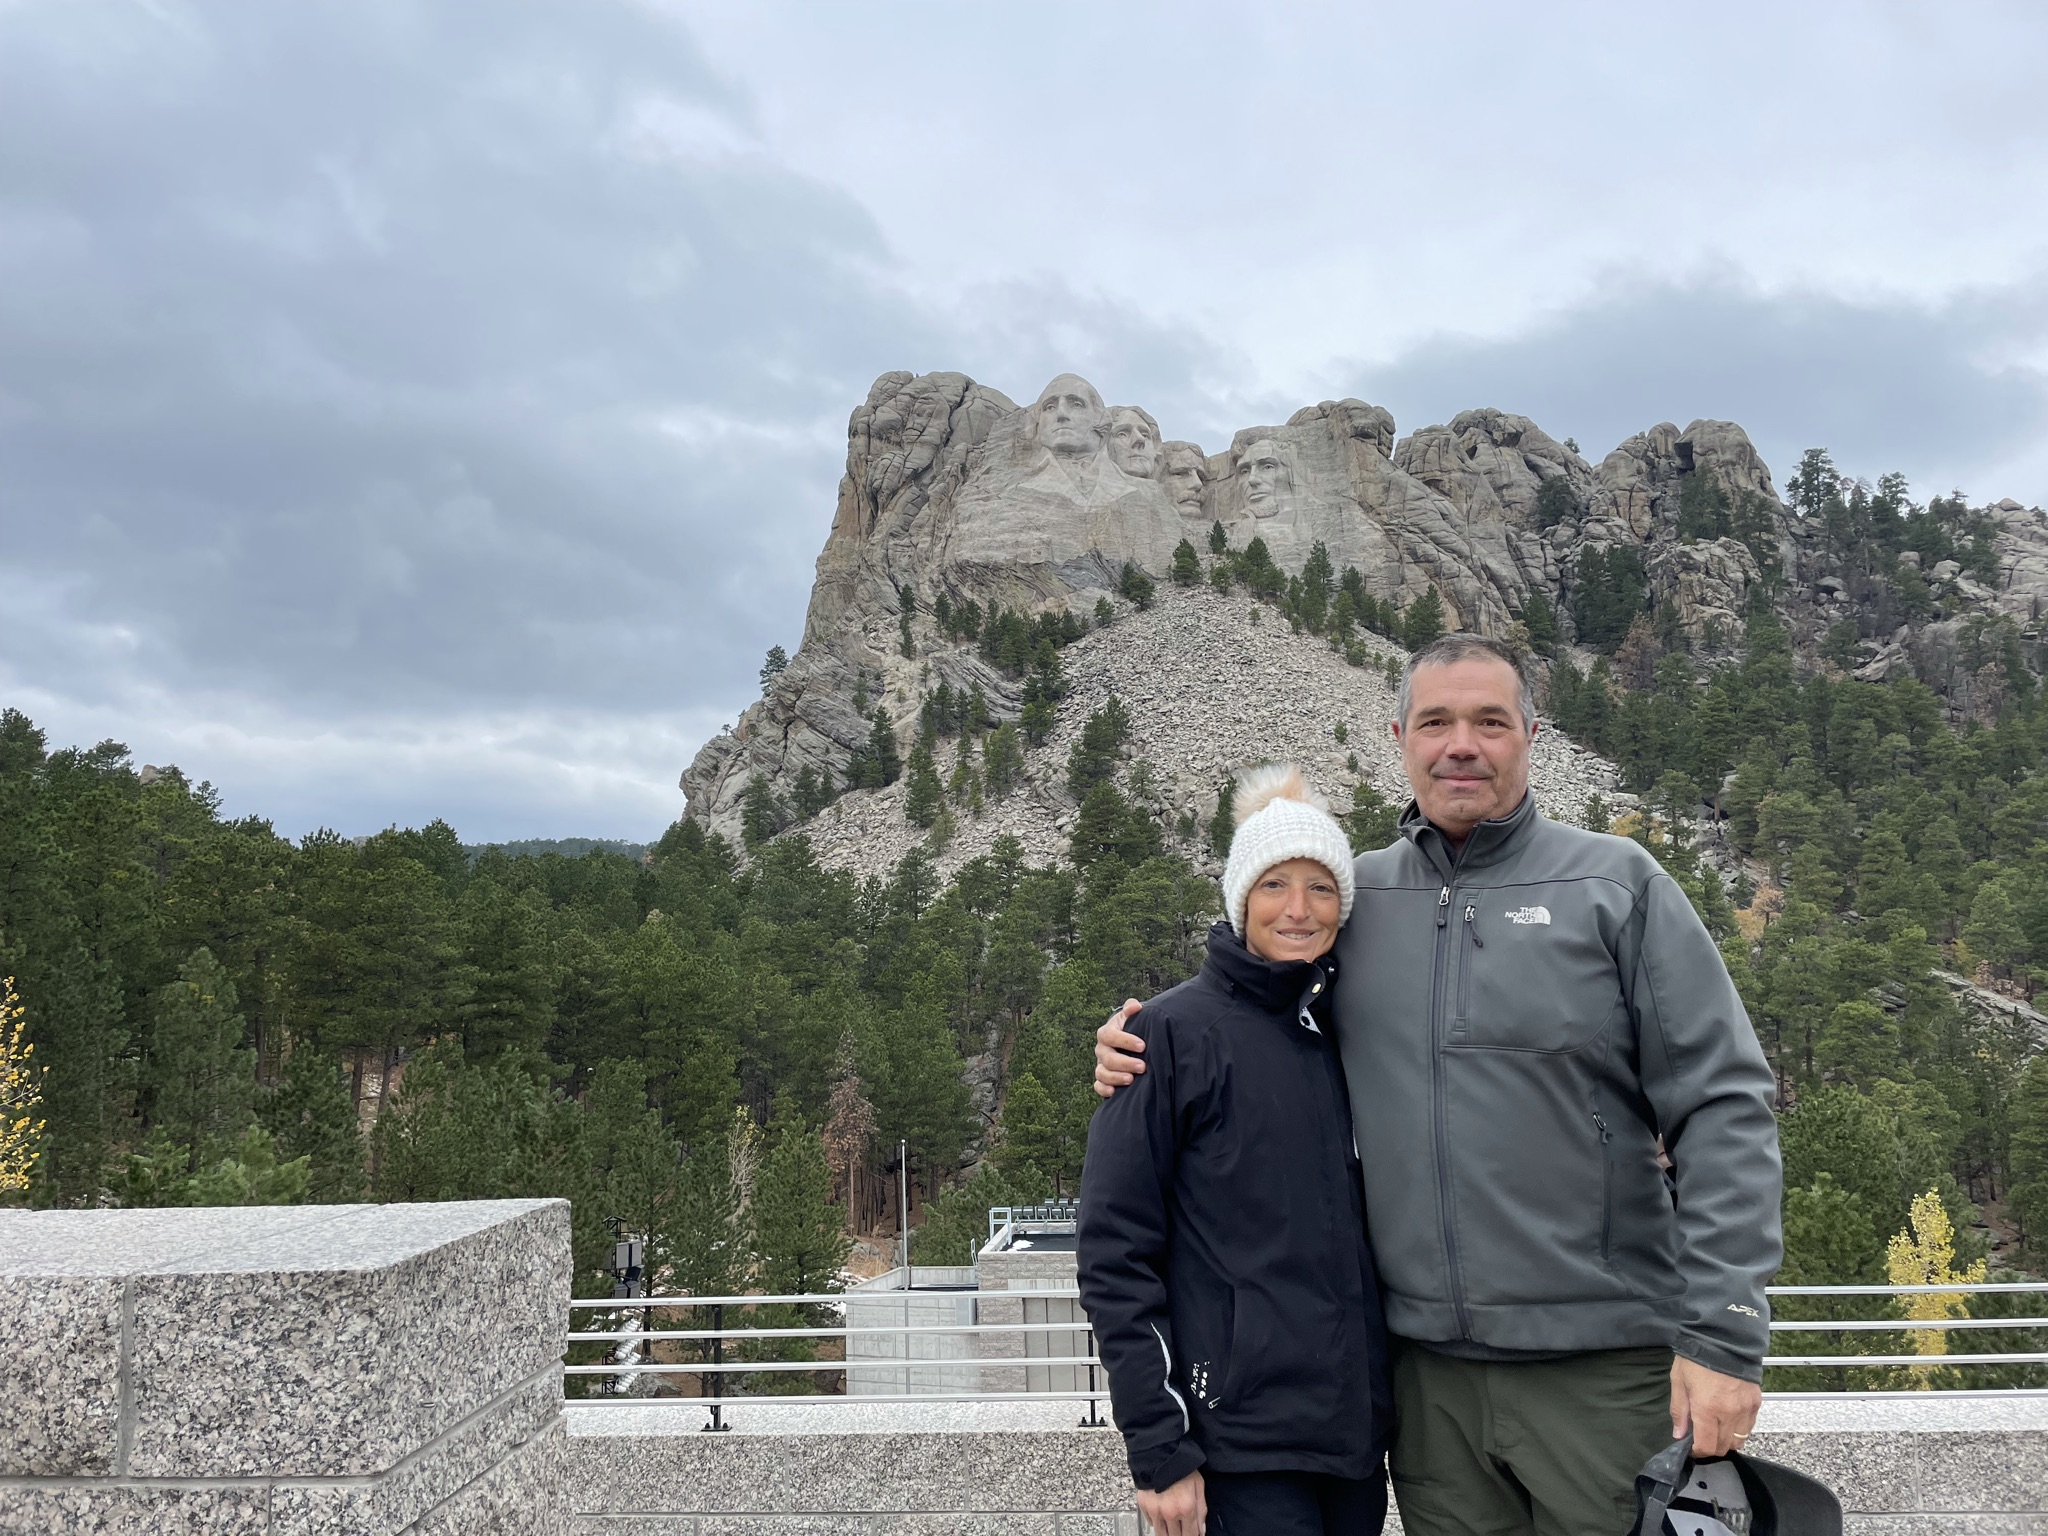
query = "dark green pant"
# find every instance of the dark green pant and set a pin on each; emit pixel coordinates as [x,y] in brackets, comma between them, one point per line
[1537,1448]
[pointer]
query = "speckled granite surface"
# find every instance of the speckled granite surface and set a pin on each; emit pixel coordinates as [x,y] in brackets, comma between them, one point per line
[1909,1465]
[296,1371]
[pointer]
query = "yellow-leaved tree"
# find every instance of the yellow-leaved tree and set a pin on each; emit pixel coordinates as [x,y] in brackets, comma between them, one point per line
[1925,1255]
[21,1134]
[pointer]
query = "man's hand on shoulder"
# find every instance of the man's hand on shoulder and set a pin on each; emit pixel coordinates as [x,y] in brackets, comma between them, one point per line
[1719,1410]
[1117,1051]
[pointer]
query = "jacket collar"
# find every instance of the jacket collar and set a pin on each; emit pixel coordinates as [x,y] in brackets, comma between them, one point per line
[1490,842]
[1290,987]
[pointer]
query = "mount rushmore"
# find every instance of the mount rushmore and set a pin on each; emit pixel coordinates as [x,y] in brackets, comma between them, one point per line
[954,494]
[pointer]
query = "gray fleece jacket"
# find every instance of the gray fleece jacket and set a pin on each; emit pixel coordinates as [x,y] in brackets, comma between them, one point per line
[1519,1022]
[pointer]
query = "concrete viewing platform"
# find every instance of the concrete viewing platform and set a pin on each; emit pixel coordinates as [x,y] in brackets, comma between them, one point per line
[395,1371]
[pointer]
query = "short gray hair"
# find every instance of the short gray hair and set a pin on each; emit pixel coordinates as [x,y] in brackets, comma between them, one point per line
[1448,650]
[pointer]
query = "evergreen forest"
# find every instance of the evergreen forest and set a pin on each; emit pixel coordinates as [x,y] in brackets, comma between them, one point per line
[723,1048]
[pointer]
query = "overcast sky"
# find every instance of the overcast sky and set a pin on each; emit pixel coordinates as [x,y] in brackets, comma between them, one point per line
[413,410]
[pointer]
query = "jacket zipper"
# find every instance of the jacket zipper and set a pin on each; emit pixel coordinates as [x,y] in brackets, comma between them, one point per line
[1443,1139]
[1606,1188]
[1465,961]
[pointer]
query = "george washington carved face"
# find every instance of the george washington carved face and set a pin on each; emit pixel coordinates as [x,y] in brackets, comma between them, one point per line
[1134,441]
[1264,477]
[1068,418]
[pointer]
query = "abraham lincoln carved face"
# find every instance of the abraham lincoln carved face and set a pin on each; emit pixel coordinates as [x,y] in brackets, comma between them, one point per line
[1264,477]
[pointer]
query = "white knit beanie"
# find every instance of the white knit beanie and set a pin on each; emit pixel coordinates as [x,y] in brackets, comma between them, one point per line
[1280,818]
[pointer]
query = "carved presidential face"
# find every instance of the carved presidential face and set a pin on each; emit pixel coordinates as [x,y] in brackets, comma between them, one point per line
[1182,474]
[1264,476]
[1134,441]
[1068,416]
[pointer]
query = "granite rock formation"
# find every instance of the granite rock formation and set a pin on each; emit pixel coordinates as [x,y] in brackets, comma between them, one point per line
[952,491]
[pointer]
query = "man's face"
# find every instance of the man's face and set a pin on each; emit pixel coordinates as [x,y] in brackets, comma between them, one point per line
[1263,473]
[1069,421]
[1133,445]
[1464,745]
[1183,479]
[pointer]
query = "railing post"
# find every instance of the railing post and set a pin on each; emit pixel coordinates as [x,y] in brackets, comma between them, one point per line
[1093,1420]
[717,1423]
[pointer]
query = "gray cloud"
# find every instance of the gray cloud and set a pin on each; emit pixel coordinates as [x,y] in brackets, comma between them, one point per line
[380,355]
[1931,390]
[436,409]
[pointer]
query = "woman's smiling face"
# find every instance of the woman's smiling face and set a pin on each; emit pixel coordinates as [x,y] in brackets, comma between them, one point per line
[1292,912]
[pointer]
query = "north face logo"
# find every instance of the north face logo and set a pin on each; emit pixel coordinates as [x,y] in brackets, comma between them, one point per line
[1530,915]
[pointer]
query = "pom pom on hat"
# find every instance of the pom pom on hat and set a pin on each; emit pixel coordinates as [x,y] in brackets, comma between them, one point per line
[1280,818]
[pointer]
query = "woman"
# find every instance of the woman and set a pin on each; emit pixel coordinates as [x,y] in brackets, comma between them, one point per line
[1223,1260]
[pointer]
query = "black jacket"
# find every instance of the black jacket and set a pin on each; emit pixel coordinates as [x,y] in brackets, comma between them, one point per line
[1223,1260]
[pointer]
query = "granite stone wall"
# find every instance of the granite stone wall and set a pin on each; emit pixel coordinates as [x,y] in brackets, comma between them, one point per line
[1904,1466]
[285,1371]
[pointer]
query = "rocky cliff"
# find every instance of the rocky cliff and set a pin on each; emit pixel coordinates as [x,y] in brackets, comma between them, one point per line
[954,495]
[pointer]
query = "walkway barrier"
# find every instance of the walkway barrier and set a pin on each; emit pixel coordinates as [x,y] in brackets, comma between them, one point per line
[738,1361]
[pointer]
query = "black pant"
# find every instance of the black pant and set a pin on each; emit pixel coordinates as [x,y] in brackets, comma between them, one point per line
[1294,1504]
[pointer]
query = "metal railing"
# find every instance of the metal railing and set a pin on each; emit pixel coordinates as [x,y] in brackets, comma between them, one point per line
[713,1372]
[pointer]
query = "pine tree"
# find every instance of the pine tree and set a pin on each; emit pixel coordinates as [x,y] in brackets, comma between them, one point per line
[1540,620]
[1187,565]
[1037,717]
[310,1115]
[1374,819]
[1555,502]
[200,1079]
[1223,824]
[509,970]
[1002,760]
[882,749]
[1424,620]
[2027,1196]
[706,1245]
[634,1165]
[1030,1134]
[800,1239]
[250,1174]
[1219,541]
[925,795]
[760,812]
[1135,586]
[1702,507]
[776,664]
[1318,586]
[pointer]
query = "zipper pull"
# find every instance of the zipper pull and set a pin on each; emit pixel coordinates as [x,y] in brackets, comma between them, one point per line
[1473,928]
[1443,903]
[1601,1120]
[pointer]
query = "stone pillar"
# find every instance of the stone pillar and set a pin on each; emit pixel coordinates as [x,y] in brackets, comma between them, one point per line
[346,1370]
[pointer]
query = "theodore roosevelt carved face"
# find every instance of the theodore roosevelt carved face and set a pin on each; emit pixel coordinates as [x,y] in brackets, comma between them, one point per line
[1183,473]
[1134,441]
[1265,478]
[1068,418]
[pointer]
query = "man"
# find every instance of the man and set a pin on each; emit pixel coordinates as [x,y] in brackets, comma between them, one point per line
[1184,473]
[1267,481]
[1134,441]
[1526,1008]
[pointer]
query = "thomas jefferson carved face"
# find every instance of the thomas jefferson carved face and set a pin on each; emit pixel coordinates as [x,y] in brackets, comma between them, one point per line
[1068,417]
[1264,475]
[1134,441]
[1182,473]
